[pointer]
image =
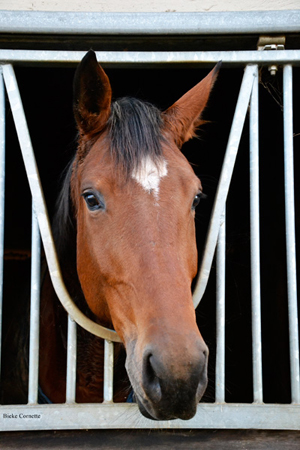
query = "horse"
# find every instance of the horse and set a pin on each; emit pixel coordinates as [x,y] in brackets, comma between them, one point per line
[125,235]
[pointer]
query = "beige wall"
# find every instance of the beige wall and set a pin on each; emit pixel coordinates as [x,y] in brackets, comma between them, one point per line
[148,5]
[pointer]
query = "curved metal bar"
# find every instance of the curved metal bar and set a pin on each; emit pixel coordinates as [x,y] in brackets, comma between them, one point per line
[224,182]
[41,211]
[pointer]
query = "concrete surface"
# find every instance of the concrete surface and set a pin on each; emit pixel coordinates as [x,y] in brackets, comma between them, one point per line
[149,6]
[150,440]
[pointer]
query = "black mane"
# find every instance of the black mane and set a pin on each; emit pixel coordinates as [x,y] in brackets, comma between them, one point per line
[64,225]
[135,132]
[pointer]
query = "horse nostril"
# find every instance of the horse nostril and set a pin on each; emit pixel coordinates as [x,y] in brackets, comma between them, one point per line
[150,379]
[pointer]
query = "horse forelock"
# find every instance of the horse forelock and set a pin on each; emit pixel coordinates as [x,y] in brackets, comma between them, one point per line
[135,134]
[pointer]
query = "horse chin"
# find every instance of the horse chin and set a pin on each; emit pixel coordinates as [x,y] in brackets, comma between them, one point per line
[152,416]
[144,411]
[150,412]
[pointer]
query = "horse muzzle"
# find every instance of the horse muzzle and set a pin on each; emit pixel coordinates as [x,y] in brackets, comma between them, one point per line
[167,388]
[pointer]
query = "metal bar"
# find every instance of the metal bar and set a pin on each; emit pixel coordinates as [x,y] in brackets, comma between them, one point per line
[224,182]
[234,58]
[127,416]
[180,23]
[2,196]
[41,210]
[290,230]
[255,245]
[71,361]
[108,371]
[33,377]
[220,312]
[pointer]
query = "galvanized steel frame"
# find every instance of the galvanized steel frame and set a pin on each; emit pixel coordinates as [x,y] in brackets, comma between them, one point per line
[232,58]
[219,414]
[181,23]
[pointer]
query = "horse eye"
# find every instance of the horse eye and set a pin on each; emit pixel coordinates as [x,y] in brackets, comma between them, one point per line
[197,199]
[92,201]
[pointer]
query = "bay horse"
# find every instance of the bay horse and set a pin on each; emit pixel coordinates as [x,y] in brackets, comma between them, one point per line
[125,234]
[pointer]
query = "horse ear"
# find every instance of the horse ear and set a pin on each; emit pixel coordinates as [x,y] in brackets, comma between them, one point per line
[184,117]
[92,96]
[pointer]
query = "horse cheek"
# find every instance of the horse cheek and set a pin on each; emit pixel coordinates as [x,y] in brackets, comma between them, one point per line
[91,282]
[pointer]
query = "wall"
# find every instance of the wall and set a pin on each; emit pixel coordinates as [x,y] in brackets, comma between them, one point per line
[149,5]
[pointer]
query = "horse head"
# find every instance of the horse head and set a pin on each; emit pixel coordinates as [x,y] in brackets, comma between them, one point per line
[135,194]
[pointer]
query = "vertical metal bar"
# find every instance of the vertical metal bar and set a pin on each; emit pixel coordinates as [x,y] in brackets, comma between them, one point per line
[290,230]
[224,182]
[255,245]
[34,311]
[108,371]
[220,312]
[2,196]
[71,361]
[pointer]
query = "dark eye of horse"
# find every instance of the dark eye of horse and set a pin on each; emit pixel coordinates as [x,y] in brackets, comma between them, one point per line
[93,203]
[197,200]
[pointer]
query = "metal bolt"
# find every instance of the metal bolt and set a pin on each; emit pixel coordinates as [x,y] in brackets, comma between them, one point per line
[273,70]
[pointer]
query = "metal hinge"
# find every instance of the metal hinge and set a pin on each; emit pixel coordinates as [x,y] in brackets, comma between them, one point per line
[271,43]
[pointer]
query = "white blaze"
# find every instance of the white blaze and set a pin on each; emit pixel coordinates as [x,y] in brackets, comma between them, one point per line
[149,174]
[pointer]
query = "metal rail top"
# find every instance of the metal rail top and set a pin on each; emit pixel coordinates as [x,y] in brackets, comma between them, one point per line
[183,23]
[236,58]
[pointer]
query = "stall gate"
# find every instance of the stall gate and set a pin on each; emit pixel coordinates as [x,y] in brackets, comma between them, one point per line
[218,414]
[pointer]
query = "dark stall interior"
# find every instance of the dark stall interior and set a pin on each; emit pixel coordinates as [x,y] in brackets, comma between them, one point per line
[47,97]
